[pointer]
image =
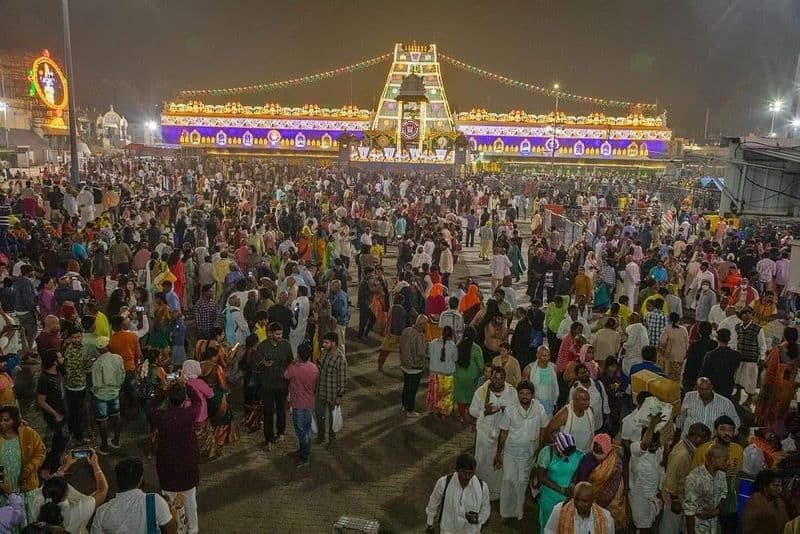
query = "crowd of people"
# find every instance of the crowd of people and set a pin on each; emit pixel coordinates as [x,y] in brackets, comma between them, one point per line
[157,287]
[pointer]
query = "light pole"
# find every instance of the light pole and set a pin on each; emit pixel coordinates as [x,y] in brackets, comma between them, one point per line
[74,173]
[556,93]
[4,109]
[775,107]
[150,131]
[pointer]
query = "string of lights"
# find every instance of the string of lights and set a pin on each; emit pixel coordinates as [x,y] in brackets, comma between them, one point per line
[272,86]
[601,102]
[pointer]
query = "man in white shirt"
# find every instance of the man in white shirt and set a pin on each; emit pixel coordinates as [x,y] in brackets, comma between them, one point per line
[587,516]
[572,317]
[452,318]
[717,313]
[766,270]
[460,500]
[705,406]
[127,512]
[520,428]
[488,404]
[500,267]
[631,278]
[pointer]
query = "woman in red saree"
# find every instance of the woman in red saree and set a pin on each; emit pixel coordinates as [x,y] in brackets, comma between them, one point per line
[435,304]
[177,269]
[780,380]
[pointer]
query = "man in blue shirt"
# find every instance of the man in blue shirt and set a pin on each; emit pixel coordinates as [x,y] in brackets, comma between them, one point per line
[659,273]
[648,363]
[170,296]
[339,309]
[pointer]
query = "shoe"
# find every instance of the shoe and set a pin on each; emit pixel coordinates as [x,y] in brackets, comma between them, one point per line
[302,463]
[281,438]
[268,445]
[412,414]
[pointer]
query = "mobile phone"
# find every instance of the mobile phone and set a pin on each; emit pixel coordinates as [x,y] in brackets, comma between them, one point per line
[81,453]
[139,309]
[172,376]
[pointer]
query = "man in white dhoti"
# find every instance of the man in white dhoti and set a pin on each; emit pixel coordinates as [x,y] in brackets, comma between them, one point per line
[646,475]
[85,201]
[488,404]
[630,279]
[520,428]
[301,308]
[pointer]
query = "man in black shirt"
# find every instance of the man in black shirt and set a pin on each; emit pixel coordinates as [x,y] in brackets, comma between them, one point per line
[50,399]
[280,313]
[720,364]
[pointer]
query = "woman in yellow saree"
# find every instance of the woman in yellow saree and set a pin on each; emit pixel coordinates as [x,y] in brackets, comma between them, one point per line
[602,467]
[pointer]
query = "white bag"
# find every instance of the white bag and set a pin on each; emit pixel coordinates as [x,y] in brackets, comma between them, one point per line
[314,429]
[337,423]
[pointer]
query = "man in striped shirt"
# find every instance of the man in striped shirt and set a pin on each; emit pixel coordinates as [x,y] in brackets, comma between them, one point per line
[705,406]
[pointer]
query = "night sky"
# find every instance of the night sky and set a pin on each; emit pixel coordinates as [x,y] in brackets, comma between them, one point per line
[731,56]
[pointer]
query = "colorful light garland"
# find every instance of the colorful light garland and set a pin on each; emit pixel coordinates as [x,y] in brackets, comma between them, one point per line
[546,91]
[272,86]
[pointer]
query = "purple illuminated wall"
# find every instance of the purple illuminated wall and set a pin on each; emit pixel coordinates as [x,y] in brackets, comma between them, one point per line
[172,135]
[656,149]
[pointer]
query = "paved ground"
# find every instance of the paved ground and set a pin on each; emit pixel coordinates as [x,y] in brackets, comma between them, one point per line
[383,467]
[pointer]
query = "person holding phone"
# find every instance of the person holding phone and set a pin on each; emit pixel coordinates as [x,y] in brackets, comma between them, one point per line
[57,497]
[460,501]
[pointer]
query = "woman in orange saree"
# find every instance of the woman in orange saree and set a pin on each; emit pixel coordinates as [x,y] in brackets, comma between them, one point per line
[780,380]
[602,467]
[470,303]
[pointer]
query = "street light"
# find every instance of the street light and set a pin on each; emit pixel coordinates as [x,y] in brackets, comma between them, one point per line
[556,92]
[4,109]
[150,130]
[795,123]
[775,107]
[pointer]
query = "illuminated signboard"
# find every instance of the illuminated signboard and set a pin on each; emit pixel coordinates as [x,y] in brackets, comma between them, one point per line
[49,85]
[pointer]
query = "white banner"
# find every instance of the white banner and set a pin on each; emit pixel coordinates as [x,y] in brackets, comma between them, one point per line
[363,152]
[413,152]
[389,152]
[441,153]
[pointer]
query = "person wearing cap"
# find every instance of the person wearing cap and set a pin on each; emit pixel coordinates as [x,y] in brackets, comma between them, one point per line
[108,375]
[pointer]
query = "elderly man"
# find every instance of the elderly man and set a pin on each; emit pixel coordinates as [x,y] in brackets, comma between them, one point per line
[679,465]
[488,404]
[460,500]
[704,406]
[580,515]
[706,488]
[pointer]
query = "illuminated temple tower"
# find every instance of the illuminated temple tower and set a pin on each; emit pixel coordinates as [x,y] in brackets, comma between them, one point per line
[413,108]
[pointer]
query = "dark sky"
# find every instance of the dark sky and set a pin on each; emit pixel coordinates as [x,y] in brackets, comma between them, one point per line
[731,56]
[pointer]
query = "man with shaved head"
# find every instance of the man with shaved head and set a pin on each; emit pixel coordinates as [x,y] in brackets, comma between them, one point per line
[705,406]
[706,488]
[580,514]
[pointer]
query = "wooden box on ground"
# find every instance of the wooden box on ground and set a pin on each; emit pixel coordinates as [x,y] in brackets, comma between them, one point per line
[355,525]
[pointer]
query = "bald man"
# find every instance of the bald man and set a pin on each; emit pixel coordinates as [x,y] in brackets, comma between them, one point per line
[50,337]
[703,405]
[587,516]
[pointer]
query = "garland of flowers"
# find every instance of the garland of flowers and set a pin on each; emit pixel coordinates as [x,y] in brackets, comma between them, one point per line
[303,80]
[602,102]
